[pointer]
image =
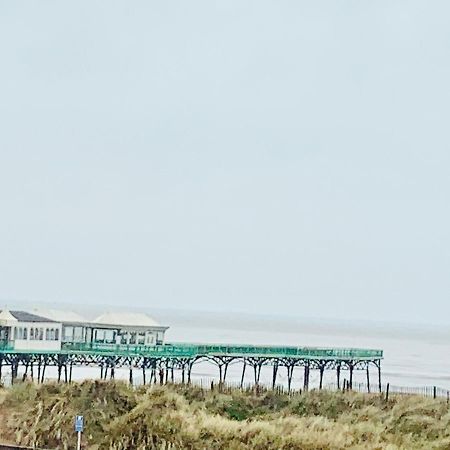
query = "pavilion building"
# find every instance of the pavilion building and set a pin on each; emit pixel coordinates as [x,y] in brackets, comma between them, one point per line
[52,330]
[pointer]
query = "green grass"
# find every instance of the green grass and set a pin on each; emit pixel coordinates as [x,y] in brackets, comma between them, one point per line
[118,417]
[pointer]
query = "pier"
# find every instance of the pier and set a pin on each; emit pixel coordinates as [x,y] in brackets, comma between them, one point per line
[159,363]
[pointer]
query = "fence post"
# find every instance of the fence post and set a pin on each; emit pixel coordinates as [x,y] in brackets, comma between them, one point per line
[387,392]
[434,392]
[379,376]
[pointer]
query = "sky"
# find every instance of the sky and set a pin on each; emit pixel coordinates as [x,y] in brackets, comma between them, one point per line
[272,157]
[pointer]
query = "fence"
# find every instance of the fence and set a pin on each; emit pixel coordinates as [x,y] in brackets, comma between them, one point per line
[208,383]
[423,391]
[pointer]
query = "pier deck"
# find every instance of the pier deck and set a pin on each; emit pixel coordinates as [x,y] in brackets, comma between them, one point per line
[164,359]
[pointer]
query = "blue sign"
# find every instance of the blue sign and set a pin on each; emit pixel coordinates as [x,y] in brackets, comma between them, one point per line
[79,424]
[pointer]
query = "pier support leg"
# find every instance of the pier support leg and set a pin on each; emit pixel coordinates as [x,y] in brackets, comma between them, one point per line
[31,371]
[24,376]
[350,384]
[101,372]
[379,376]
[225,370]
[368,378]
[112,374]
[70,373]
[130,378]
[66,378]
[290,373]
[274,375]
[321,371]
[59,372]
[243,374]
[39,370]
[257,371]
[338,376]
[306,378]
[143,375]
[43,371]
[190,364]
[222,364]
[14,370]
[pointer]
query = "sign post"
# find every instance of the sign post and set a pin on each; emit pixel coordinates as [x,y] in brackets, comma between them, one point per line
[79,427]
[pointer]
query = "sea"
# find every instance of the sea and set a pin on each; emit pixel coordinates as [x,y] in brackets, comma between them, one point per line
[415,356]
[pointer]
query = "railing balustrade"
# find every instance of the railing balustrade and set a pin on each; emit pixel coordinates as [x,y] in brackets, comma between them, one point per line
[191,350]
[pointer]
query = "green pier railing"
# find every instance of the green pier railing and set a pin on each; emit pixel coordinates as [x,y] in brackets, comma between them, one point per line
[188,350]
[195,350]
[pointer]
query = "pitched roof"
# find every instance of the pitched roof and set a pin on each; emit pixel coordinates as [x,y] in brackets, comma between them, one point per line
[24,316]
[61,316]
[6,317]
[127,319]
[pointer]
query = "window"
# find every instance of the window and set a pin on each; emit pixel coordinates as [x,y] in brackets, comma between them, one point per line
[47,334]
[15,333]
[57,334]
[41,334]
[78,334]
[21,333]
[25,333]
[68,333]
[109,336]
[32,334]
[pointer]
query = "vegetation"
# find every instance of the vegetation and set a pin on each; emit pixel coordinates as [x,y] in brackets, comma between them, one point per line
[180,417]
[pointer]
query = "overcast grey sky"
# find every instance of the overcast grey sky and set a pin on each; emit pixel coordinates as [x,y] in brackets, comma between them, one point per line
[270,156]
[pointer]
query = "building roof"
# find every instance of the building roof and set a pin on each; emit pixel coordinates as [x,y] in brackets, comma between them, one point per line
[22,316]
[6,317]
[127,319]
[62,316]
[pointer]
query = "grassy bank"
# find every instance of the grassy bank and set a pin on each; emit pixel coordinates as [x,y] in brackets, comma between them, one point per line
[179,417]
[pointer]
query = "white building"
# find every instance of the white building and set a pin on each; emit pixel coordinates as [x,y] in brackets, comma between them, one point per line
[128,329]
[21,330]
[53,330]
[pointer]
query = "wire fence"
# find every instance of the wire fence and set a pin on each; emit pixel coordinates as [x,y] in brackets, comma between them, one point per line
[386,389]
[210,383]
[423,391]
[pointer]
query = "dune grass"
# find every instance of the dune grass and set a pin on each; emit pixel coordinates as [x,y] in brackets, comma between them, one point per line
[180,417]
